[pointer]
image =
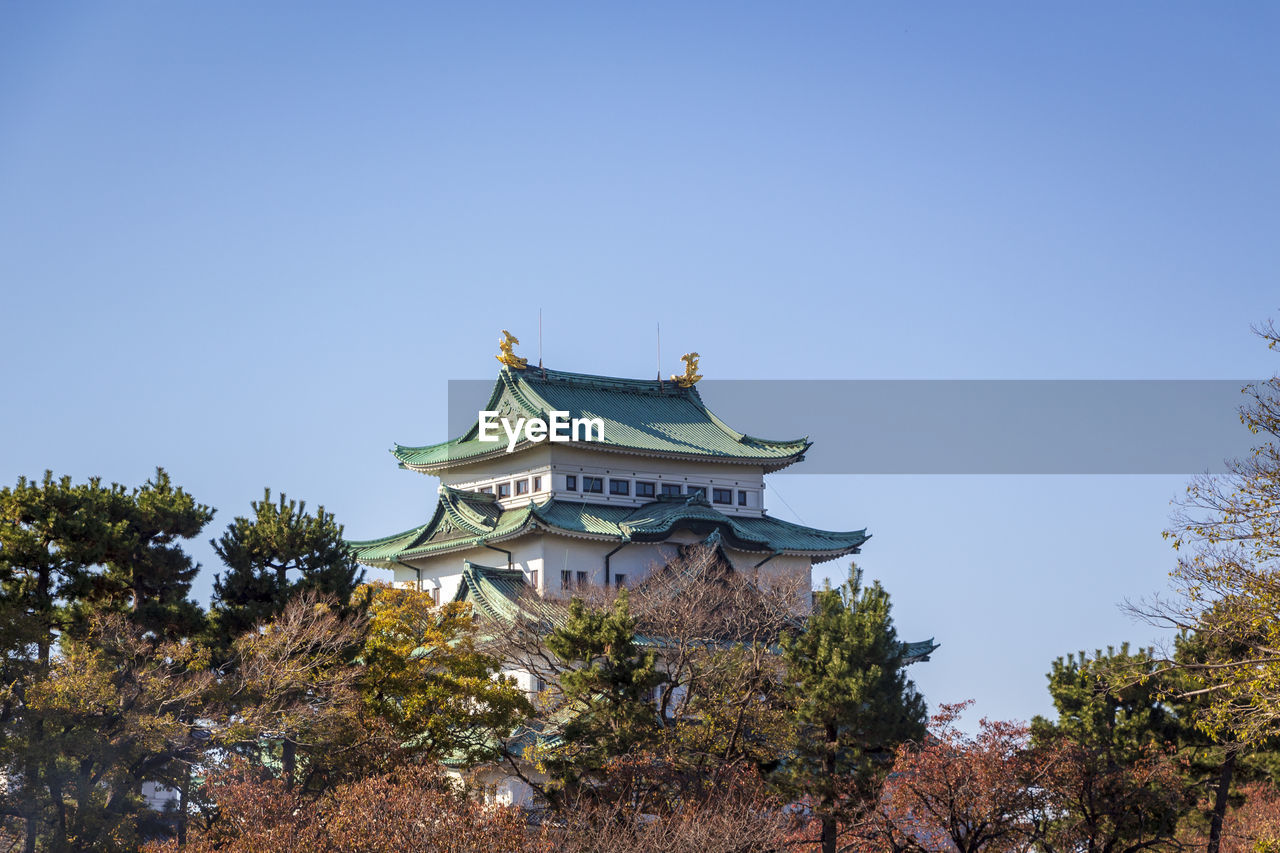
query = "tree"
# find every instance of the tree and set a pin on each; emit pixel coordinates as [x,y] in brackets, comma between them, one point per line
[956,792]
[849,691]
[280,552]
[295,704]
[1226,586]
[608,689]
[409,808]
[1111,780]
[719,705]
[423,674]
[122,706]
[68,554]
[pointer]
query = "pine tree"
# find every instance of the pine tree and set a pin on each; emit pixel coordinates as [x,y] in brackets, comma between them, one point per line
[852,698]
[608,687]
[271,557]
[1110,774]
[282,552]
[70,554]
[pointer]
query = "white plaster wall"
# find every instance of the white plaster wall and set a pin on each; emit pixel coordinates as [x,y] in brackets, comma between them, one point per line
[444,572]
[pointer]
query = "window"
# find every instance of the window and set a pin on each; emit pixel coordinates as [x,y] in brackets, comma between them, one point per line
[571,482]
[486,490]
[742,498]
[671,490]
[620,580]
[566,578]
[504,490]
[700,491]
[644,490]
[722,496]
[522,487]
[593,484]
[619,487]
[582,578]
[434,593]
[533,578]
[537,484]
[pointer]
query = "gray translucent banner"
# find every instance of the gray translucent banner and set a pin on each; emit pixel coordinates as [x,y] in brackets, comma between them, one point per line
[972,426]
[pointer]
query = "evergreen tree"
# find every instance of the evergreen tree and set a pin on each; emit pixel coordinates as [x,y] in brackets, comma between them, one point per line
[282,552]
[852,698]
[1111,778]
[69,554]
[608,687]
[278,553]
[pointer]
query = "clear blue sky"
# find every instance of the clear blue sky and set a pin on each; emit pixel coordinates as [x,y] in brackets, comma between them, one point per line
[252,242]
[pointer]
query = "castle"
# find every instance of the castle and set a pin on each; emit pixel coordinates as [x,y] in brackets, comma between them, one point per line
[602,507]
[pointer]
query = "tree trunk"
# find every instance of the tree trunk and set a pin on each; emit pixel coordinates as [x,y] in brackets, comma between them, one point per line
[289,760]
[828,816]
[1220,800]
[184,794]
[828,834]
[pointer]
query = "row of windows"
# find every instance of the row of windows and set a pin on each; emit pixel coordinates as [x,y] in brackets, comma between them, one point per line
[645,489]
[572,580]
[521,487]
[595,486]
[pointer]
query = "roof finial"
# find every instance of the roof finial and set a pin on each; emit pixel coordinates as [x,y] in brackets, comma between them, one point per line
[507,354]
[691,374]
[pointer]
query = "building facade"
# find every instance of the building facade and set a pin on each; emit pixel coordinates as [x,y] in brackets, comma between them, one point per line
[604,509]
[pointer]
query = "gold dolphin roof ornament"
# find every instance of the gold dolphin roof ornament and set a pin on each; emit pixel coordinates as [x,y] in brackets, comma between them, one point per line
[507,354]
[691,374]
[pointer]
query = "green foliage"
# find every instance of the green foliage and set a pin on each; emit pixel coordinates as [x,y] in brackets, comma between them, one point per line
[68,549]
[608,687]
[94,618]
[424,676]
[280,552]
[1092,709]
[1112,778]
[852,698]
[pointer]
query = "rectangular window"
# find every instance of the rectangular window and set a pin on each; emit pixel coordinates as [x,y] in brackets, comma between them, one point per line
[671,490]
[582,578]
[486,490]
[533,578]
[619,487]
[644,490]
[566,578]
[620,580]
[698,490]
[522,487]
[594,485]
[571,482]
[722,496]
[435,596]
[742,498]
[537,484]
[504,490]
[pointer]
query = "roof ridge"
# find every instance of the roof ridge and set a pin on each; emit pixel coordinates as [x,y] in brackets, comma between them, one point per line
[658,386]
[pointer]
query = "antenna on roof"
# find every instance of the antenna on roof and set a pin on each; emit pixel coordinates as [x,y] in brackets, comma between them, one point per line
[540,367]
[660,385]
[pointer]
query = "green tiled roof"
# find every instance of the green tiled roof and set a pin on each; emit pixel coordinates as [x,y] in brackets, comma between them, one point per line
[468,519]
[640,416]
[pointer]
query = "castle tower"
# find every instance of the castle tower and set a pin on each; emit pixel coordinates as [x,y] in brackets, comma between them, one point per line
[624,472]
